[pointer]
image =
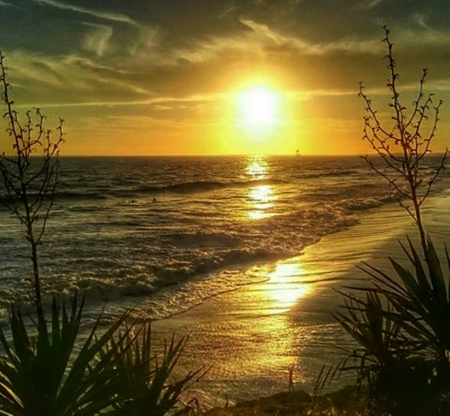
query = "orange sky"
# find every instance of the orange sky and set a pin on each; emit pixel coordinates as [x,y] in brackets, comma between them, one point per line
[162,79]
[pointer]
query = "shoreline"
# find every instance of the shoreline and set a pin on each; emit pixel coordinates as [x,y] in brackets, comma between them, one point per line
[254,335]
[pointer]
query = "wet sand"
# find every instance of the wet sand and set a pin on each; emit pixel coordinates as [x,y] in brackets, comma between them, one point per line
[253,335]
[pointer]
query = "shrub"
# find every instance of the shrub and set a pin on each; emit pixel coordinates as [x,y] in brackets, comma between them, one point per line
[401,324]
[49,367]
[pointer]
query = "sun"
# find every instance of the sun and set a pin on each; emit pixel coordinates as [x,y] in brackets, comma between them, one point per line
[258,107]
[257,117]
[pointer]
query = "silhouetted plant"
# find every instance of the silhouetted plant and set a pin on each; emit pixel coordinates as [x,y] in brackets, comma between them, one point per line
[43,374]
[29,172]
[42,371]
[402,142]
[148,387]
[402,324]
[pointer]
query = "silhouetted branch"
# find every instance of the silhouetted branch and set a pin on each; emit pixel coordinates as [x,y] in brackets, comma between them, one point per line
[29,173]
[402,148]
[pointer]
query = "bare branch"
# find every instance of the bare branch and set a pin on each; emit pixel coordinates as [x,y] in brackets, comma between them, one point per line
[29,174]
[401,145]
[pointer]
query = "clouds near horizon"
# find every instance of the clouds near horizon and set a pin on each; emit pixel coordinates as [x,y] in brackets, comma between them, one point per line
[66,55]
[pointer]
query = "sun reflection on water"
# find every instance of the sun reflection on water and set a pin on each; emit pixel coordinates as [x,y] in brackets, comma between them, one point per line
[257,167]
[276,340]
[261,198]
[284,287]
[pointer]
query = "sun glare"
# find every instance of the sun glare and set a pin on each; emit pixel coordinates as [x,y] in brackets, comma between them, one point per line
[258,107]
[284,286]
[258,118]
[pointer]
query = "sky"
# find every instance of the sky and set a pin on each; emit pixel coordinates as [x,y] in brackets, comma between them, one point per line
[190,77]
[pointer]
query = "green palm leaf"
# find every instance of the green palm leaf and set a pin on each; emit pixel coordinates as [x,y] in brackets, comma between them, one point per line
[44,375]
[148,384]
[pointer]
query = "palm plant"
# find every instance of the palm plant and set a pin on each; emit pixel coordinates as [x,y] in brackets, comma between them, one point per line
[376,336]
[402,329]
[43,374]
[401,324]
[421,299]
[47,368]
[51,371]
[147,384]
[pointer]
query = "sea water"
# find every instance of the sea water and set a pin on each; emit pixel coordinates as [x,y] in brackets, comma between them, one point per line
[163,234]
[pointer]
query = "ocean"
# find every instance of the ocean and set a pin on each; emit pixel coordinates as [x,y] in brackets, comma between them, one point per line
[163,234]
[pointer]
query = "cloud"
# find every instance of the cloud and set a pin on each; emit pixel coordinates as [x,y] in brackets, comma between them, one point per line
[350,43]
[262,38]
[10,5]
[69,79]
[263,30]
[116,64]
[106,15]
[368,4]
[98,39]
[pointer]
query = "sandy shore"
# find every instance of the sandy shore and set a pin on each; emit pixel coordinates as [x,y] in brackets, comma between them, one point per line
[254,334]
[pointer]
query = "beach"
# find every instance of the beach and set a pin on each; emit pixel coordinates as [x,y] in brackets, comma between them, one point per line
[253,335]
[245,254]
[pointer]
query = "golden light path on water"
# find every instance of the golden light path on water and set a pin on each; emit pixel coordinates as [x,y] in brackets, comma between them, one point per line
[257,167]
[284,286]
[253,335]
[261,197]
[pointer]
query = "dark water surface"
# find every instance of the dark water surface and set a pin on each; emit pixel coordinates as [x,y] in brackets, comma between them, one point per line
[165,233]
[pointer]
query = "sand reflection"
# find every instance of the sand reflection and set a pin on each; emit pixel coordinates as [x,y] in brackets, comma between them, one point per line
[265,340]
[254,334]
[284,286]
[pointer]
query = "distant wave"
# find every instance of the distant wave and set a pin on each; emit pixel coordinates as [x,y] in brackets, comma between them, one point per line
[202,186]
[87,194]
[327,174]
[136,191]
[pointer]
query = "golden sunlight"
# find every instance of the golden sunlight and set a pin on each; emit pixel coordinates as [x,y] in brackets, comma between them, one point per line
[284,287]
[257,167]
[262,200]
[258,107]
[258,118]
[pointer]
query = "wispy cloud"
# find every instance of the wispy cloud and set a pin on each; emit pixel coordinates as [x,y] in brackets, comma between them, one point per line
[263,30]
[115,17]
[10,5]
[369,4]
[353,43]
[341,45]
[161,103]
[98,40]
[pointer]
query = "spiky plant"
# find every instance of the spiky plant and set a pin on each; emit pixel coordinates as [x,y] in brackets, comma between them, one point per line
[401,324]
[148,383]
[42,373]
[47,369]
[402,329]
